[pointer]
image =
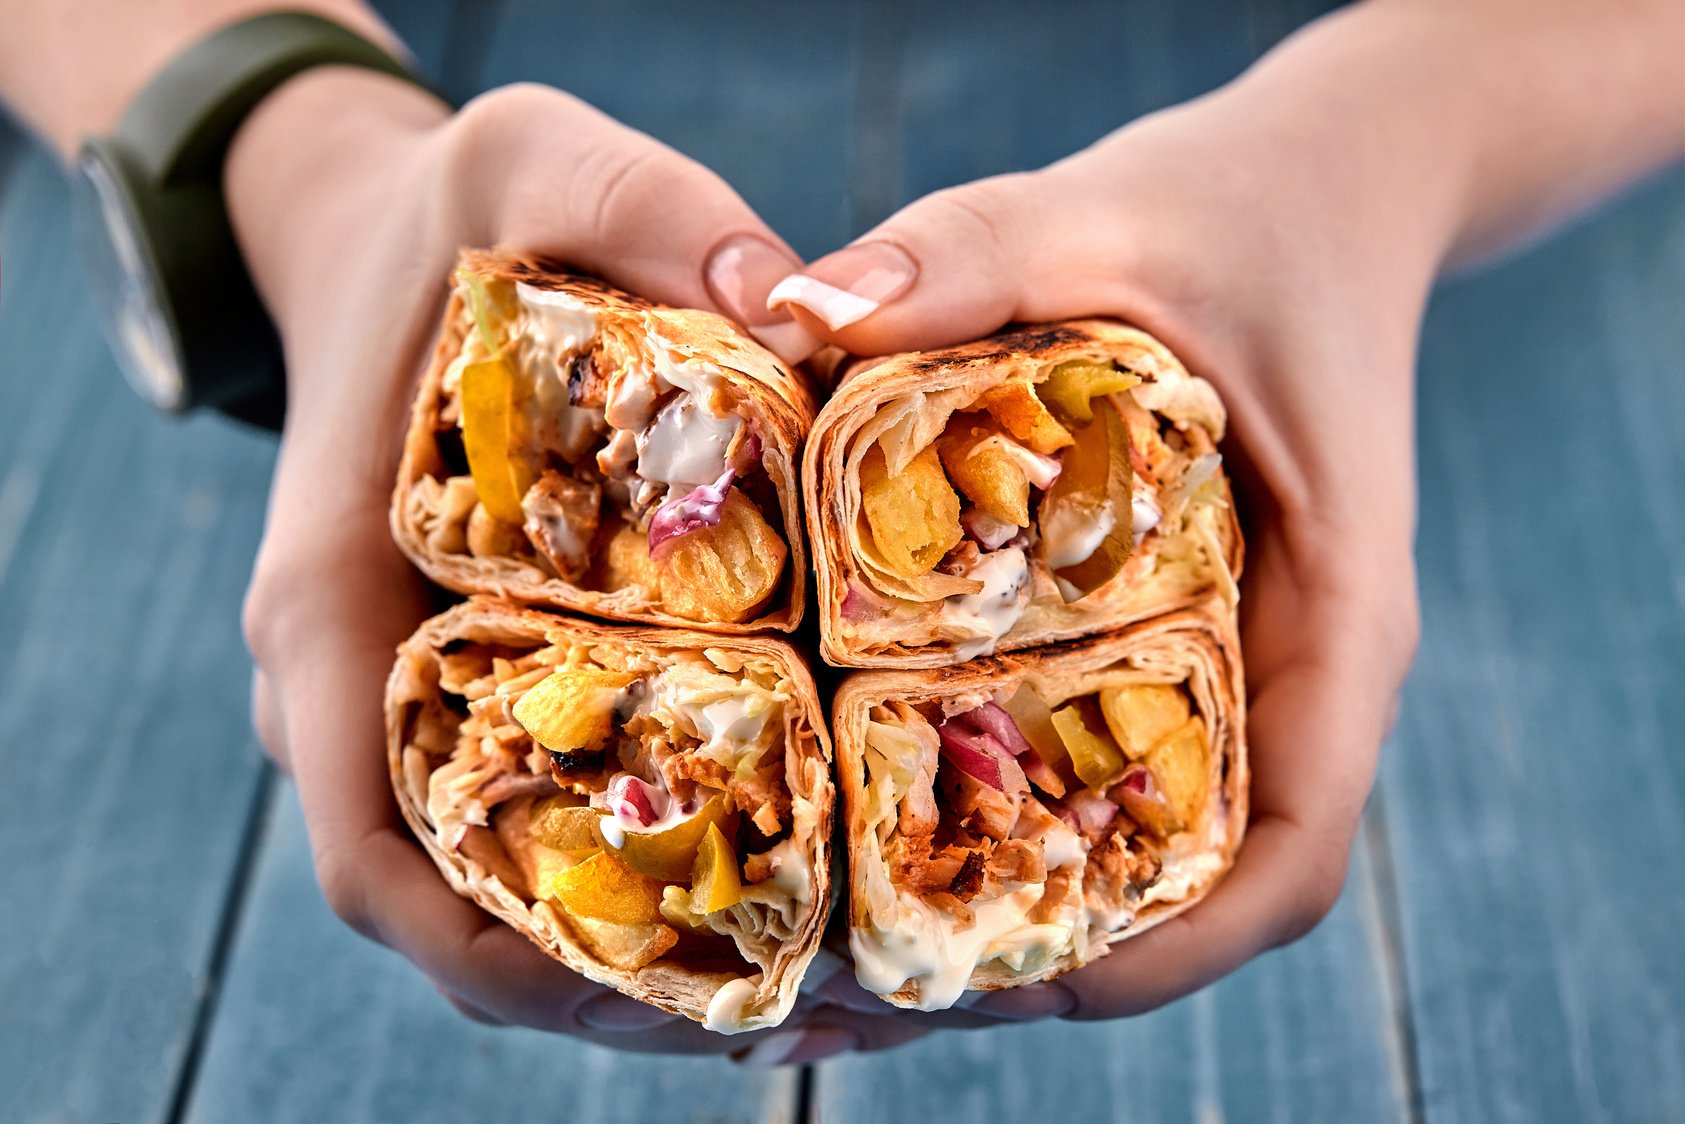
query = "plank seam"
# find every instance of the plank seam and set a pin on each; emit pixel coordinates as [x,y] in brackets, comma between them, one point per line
[806,1111]
[1387,912]
[235,901]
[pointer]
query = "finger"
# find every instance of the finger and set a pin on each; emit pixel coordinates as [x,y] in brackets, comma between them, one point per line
[469,1011]
[828,1033]
[958,264]
[555,176]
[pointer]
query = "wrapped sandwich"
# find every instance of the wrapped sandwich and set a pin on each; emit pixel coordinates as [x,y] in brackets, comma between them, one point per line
[1010,819]
[574,446]
[1051,482]
[650,807]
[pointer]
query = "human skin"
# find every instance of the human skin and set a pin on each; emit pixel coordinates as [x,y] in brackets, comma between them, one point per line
[1281,234]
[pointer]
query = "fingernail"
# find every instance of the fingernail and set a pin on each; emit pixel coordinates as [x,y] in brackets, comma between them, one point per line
[621,1012]
[788,340]
[1022,1004]
[740,272]
[859,279]
[797,1047]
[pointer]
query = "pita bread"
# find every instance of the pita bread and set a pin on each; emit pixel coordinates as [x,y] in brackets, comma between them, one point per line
[871,617]
[891,926]
[747,974]
[629,338]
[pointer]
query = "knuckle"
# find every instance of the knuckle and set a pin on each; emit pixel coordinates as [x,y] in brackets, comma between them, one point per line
[1316,897]
[271,597]
[343,889]
[981,215]
[496,114]
[629,181]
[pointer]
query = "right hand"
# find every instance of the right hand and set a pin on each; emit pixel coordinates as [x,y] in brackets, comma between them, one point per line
[1283,286]
[351,194]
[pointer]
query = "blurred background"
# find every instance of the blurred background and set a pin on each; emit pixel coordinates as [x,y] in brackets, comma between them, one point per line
[1507,947]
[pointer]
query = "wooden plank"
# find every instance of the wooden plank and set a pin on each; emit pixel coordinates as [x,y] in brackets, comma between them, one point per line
[1309,1033]
[127,768]
[1303,1034]
[318,1025]
[761,93]
[1537,798]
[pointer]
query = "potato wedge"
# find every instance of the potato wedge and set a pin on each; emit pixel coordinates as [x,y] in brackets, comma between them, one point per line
[724,572]
[627,947]
[565,826]
[670,854]
[571,711]
[983,472]
[604,888]
[914,517]
[1139,716]
[1015,406]
[1181,763]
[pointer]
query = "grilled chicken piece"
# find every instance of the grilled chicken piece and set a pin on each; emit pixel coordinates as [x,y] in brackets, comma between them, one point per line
[982,809]
[561,521]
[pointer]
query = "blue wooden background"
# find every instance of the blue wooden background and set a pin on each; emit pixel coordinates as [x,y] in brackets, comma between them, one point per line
[1508,946]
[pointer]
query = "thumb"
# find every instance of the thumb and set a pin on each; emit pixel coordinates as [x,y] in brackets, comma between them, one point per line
[958,264]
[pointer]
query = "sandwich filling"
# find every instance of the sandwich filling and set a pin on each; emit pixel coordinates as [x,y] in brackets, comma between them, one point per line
[615,461]
[976,507]
[637,802]
[1014,829]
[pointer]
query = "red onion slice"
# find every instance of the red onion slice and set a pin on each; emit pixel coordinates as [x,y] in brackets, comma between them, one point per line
[698,508]
[983,757]
[635,801]
[997,723]
[1087,812]
[987,531]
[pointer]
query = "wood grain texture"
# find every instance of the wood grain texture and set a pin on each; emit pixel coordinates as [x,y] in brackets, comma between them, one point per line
[317,1025]
[1301,1035]
[1536,799]
[128,769]
[127,766]
[762,93]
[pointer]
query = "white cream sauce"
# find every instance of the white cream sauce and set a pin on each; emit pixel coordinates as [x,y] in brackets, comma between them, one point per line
[926,949]
[988,615]
[685,446]
[555,325]
[1071,534]
[789,871]
[729,1007]
[1040,471]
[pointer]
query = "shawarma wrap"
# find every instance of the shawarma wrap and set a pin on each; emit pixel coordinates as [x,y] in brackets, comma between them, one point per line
[1011,819]
[651,807]
[574,446]
[1050,482]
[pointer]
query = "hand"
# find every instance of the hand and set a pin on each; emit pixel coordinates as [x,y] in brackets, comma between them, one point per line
[1303,310]
[351,194]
